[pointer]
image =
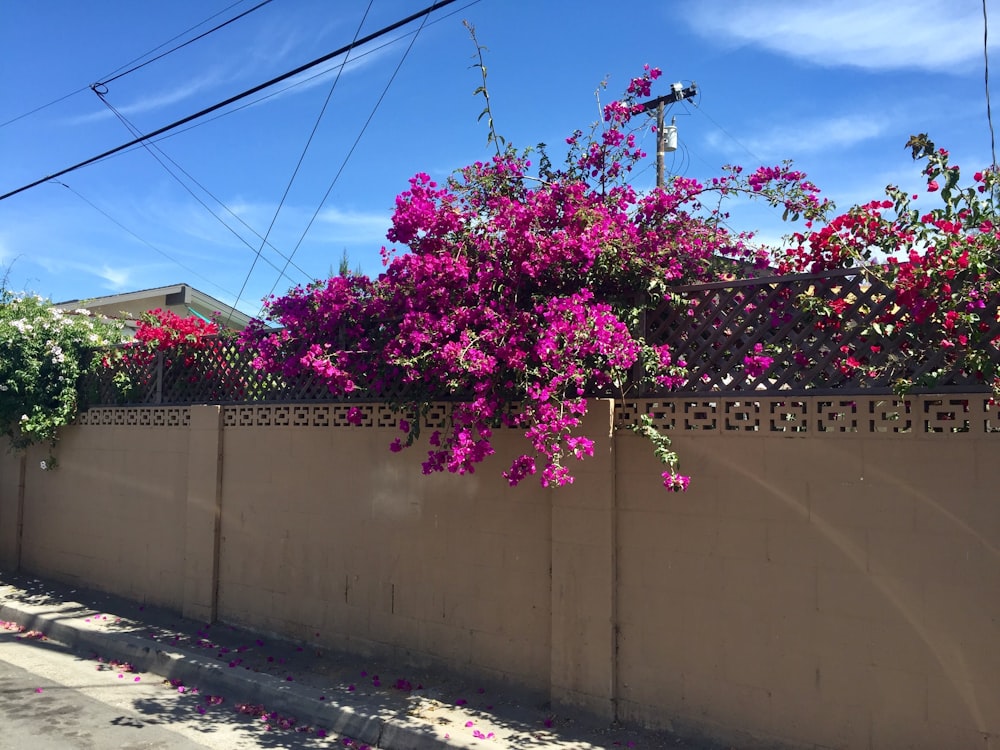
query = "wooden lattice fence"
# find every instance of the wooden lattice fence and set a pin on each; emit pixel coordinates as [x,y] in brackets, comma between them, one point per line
[713,328]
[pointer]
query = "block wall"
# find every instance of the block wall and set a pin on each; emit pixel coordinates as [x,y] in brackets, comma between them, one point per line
[831,578]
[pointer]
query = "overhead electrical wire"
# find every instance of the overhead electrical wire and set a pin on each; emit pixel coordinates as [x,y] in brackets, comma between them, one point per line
[117,74]
[289,87]
[106,81]
[986,61]
[296,84]
[298,165]
[150,146]
[350,152]
[146,242]
[243,95]
[254,102]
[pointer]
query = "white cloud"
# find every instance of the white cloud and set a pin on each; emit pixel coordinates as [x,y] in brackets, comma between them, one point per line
[937,35]
[354,225]
[154,101]
[322,75]
[805,137]
[116,278]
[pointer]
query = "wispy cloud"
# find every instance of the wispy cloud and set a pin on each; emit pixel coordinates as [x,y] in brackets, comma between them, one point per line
[155,101]
[115,279]
[325,74]
[805,137]
[938,35]
[355,226]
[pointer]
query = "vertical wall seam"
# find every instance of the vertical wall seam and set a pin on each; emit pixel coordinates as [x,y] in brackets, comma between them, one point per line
[217,533]
[615,624]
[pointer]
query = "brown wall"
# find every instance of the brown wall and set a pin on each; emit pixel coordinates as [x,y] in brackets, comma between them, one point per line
[831,578]
[111,515]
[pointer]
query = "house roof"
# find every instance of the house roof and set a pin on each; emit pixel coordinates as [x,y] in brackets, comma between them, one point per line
[176,296]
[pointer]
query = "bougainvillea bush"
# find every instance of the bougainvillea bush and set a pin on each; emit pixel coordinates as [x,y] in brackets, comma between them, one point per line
[519,292]
[43,352]
[184,350]
[940,265]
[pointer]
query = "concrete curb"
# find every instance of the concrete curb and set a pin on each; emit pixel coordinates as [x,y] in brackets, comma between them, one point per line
[66,625]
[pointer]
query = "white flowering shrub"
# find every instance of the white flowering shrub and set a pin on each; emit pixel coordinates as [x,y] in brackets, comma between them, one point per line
[43,352]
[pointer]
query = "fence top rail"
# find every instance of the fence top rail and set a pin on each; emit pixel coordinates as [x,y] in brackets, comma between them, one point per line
[771,280]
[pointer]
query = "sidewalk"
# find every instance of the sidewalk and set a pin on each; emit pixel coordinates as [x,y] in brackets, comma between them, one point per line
[295,685]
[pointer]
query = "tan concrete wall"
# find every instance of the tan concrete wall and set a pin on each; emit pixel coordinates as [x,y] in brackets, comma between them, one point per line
[815,587]
[112,514]
[10,509]
[327,535]
[842,590]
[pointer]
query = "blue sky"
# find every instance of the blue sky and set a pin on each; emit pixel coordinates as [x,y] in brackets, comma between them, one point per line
[837,87]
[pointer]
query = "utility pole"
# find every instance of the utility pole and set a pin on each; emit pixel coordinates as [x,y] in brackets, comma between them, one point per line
[677,93]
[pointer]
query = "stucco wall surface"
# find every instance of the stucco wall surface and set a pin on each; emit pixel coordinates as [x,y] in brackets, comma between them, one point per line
[827,581]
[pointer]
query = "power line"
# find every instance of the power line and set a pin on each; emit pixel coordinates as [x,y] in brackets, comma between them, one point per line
[351,151]
[149,244]
[303,81]
[150,146]
[103,84]
[114,72]
[986,60]
[236,98]
[298,165]
[732,137]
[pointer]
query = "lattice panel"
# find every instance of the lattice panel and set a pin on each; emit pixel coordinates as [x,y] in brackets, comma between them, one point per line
[330,415]
[837,417]
[890,416]
[818,416]
[786,416]
[960,415]
[743,416]
[873,415]
[991,417]
[135,416]
[714,330]
[699,415]
[719,326]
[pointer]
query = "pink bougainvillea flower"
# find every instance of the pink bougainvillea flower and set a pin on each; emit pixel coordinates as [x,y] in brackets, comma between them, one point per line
[675,482]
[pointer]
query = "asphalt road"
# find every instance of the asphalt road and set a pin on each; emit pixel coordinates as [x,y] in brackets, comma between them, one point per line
[52,699]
